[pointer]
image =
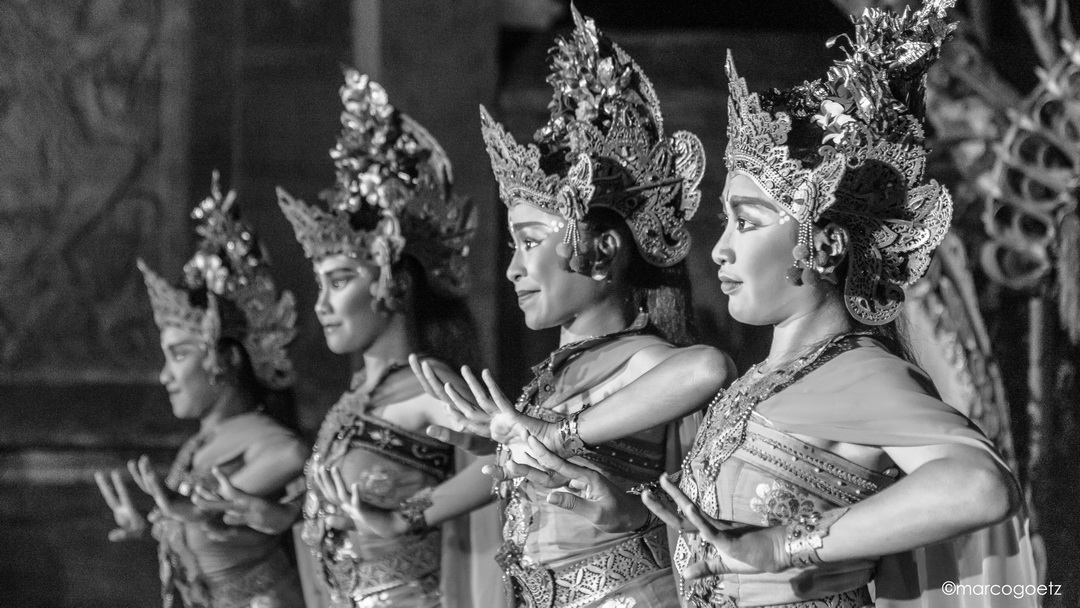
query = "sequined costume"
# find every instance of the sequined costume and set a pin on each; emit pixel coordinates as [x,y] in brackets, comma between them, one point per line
[243,567]
[750,466]
[390,464]
[554,558]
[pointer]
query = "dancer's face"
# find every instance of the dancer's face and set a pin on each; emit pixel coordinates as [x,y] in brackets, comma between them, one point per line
[754,255]
[548,292]
[344,306]
[191,392]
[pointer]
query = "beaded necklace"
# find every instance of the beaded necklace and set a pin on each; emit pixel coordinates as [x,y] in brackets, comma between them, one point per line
[724,428]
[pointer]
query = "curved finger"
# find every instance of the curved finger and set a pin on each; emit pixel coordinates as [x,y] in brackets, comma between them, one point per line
[106,491]
[427,378]
[501,402]
[709,567]
[133,469]
[232,518]
[455,438]
[324,485]
[666,514]
[552,461]
[707,531]
[571,502]
[121,489]
[120,534]
[541,477]
[225,487]
[479,391]
[339,484]
[465,408]
[677,495]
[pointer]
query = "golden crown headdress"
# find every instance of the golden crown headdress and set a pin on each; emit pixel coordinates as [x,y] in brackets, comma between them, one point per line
[864,166]
[604,146]
[229,263]
[393,196]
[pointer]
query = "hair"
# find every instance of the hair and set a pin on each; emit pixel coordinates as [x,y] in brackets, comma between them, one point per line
[443,324]
[663,293]
[804,142]
[279,404]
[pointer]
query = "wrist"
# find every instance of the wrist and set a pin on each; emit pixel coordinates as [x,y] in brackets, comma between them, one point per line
[804,535]
[568,440]
[410,517]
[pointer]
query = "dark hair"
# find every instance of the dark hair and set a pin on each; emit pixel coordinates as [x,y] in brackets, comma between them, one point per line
[279,404]
[804,142]
[444,326]
[664,293]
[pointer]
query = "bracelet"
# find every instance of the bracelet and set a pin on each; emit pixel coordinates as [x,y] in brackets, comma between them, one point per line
[412,510]
[804,536]
[572,445]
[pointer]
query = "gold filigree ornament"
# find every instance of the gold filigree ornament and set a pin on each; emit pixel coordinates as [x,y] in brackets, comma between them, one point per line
[392,197]
[603,146]
[231,264]
[865,171]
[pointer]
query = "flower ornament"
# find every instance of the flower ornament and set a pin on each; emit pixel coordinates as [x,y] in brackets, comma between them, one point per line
[833,121]
[603,145]
[229,263]
[868,171]
[393,196]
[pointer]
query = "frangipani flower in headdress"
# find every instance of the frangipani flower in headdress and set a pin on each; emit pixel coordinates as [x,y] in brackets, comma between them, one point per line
[865,169]
[603,146]
[229,263]
[392,196]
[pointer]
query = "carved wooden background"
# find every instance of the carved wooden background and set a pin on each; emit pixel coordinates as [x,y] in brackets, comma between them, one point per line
[93,122]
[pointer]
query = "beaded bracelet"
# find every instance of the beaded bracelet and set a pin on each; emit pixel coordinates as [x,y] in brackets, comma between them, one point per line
[412,510]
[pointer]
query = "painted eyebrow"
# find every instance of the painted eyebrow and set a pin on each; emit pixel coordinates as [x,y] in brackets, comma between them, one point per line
[750,201]
[523,225]
[337,270]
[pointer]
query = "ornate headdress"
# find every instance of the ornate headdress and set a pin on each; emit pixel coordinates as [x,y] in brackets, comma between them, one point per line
[392,196]
[866,168]
[229,263]
[604,146]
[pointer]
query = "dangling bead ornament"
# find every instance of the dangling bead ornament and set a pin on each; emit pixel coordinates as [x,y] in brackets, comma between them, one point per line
[801,271]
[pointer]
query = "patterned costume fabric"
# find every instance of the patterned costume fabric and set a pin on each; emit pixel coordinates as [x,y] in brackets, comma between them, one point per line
[749,466]
[603,147]
[862,163]
[390,464]
[554,558]
[249,568]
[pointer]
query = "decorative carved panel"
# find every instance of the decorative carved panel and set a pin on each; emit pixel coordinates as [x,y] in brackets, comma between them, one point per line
[93,149]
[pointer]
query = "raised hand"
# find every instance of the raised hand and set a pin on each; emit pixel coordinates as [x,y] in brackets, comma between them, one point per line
[381,522]
[332,488]
[239,508]
[581,490]
[130,523]
[171,504]
[738,549]
[469,435]
[507,425]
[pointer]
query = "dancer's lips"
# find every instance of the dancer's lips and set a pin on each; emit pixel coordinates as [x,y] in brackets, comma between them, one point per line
[523,295]
[728,284]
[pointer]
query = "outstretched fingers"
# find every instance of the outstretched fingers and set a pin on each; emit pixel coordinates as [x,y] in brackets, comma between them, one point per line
[484,400]
[430,382]
[501,402]
[106,491]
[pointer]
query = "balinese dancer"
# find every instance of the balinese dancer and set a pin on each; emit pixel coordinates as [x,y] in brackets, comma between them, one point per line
[831,474]
[597,214]
[389,258]
[223,335]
